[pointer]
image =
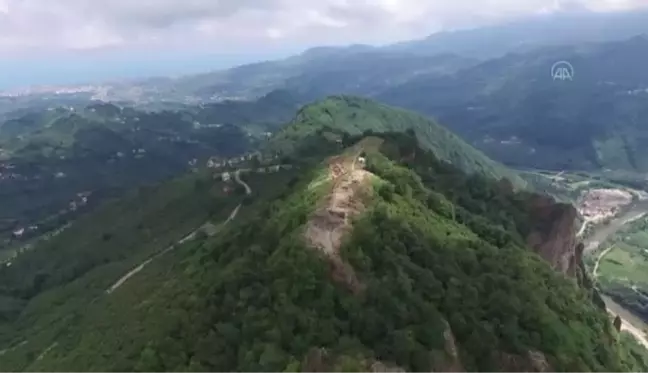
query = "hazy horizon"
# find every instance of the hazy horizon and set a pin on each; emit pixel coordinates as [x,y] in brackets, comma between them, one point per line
[82,41]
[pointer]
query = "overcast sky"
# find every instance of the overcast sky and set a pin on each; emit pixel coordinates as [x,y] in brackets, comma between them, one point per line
[119,30]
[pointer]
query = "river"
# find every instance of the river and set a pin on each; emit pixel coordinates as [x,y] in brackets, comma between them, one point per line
[605,231]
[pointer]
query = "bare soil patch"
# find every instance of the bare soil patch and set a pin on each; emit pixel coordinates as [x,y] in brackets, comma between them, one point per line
[332,220]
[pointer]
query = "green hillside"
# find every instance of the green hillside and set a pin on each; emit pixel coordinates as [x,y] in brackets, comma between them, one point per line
[423,268]
[513,110]
[354,116]
[49,156]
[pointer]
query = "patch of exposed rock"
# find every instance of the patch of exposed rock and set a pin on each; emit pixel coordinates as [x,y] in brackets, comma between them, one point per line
[330,223]
[553,235]
[319,360]
[533,361]
[448,360]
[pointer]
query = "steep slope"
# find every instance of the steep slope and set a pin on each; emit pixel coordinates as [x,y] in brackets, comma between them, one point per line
[375,258]
[354,116]
[512,109]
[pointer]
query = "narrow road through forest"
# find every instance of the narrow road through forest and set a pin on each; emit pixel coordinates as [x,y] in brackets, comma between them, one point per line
[208,227]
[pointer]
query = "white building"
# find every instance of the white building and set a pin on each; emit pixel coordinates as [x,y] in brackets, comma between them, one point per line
[226,176]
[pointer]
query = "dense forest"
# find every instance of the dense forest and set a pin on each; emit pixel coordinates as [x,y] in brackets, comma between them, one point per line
[49,156]
[444,281]
[356,115]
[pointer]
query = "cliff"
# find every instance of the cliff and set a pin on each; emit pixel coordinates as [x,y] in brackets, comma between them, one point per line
[553,234]
[553,237]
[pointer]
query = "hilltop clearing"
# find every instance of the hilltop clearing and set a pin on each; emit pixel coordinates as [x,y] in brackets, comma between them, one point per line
[345,116]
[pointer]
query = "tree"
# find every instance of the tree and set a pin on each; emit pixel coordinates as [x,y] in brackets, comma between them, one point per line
[255,162]
[149,361]
[617,323]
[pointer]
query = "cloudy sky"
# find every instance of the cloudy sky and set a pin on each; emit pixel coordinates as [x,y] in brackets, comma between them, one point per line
[78,35]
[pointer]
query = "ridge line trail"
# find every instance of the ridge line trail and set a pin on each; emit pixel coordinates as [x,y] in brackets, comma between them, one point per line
[331,221]
[208,227]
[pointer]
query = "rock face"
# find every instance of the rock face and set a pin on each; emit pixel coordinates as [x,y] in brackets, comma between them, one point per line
[532,361]
[450,361]
[447,360]
[321,360]
[553,235]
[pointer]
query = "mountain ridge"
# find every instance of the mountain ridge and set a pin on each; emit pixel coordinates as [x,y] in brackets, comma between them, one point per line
[354,115]
[256,297]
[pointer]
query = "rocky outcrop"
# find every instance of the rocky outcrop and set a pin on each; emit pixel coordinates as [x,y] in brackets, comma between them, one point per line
[319,360]
[533,361]
[553,235]
[447,360]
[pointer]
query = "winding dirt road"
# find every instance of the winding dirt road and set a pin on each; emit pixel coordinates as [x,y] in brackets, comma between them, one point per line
[208,228]
[237,178]
[598,260]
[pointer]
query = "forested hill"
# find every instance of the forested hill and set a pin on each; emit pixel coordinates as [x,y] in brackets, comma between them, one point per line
[374,256]
[50,156]
[355,115]
[513,110]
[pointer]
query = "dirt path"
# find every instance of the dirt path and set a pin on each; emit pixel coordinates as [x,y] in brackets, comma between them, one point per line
[598,260]
[209,228]
[639,334]
[583,228]
[626,324]
[237,178]
[630,323]
[332,221]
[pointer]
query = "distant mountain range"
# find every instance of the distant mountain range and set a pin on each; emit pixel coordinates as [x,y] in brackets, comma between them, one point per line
[364,68]
[491,85]
[376,254]
[512,108]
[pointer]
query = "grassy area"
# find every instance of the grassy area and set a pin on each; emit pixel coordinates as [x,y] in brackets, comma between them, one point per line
[623,271]
[625,264]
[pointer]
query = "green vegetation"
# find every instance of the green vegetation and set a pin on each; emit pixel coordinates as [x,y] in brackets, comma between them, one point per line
[50,156]
[510,108]
[623,270]
[624,263]
[114,238]
[568,187]
[355,116]
[439,254]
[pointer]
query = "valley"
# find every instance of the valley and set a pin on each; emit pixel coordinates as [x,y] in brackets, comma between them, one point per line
[208,228]
[439,204]
[340,213]
[593,245]
[605,209]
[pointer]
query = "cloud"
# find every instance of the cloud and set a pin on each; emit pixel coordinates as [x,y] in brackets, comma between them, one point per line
[227,24]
